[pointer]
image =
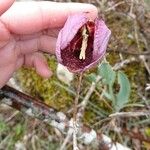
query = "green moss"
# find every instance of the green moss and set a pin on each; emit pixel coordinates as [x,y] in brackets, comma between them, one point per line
[89,117]
[45,89]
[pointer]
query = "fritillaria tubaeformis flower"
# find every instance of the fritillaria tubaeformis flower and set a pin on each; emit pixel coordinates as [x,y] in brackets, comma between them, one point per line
[82,43]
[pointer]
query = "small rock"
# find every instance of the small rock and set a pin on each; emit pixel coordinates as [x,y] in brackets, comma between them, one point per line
[64,75]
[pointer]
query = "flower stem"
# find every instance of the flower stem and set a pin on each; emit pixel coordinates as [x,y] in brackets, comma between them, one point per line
[75,124]
[77,97]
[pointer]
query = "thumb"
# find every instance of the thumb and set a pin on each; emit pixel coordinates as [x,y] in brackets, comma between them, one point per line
[4,5]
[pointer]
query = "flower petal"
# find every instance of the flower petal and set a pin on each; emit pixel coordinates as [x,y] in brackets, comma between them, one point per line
[101,38]
[67,55]
[72,25]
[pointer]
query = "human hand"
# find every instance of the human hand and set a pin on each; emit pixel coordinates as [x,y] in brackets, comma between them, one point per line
[29,28]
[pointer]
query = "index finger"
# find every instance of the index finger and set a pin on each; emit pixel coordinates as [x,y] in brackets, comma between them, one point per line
[31,17]
[4,5]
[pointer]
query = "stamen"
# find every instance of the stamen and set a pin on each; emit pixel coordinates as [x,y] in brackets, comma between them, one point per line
[84,43]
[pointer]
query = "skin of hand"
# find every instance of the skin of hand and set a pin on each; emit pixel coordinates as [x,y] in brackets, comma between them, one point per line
[29,28]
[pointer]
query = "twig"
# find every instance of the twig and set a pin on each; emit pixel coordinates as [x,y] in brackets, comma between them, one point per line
[131,10]
[84,103]
[135,135]
[145,100]
[129,53]
[117,66]
[69,135]
[28,104]
[145,63]
[75,131]
[90,91]
[147,87]
[4,141]
[101,98]
[142,57]
[11,117]
[116,5]
[130,114]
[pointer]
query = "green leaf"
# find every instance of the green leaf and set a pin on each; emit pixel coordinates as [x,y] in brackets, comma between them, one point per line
[92,77]
[2,126]
[123,95]
[18,129]
[109,76]
[147,132]
[107,73]
[107,95]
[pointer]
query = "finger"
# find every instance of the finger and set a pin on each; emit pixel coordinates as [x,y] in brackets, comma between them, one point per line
[6,73]
[38,61]
[4,35]
[43,43]
[8,54]
[20,62]
[49,32]
[4,5]
[31,17]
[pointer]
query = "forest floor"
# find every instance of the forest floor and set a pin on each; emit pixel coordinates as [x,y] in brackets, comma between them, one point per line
[129,50]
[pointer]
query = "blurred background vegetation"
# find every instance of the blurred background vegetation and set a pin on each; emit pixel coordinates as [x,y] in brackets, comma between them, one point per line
[129,21]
